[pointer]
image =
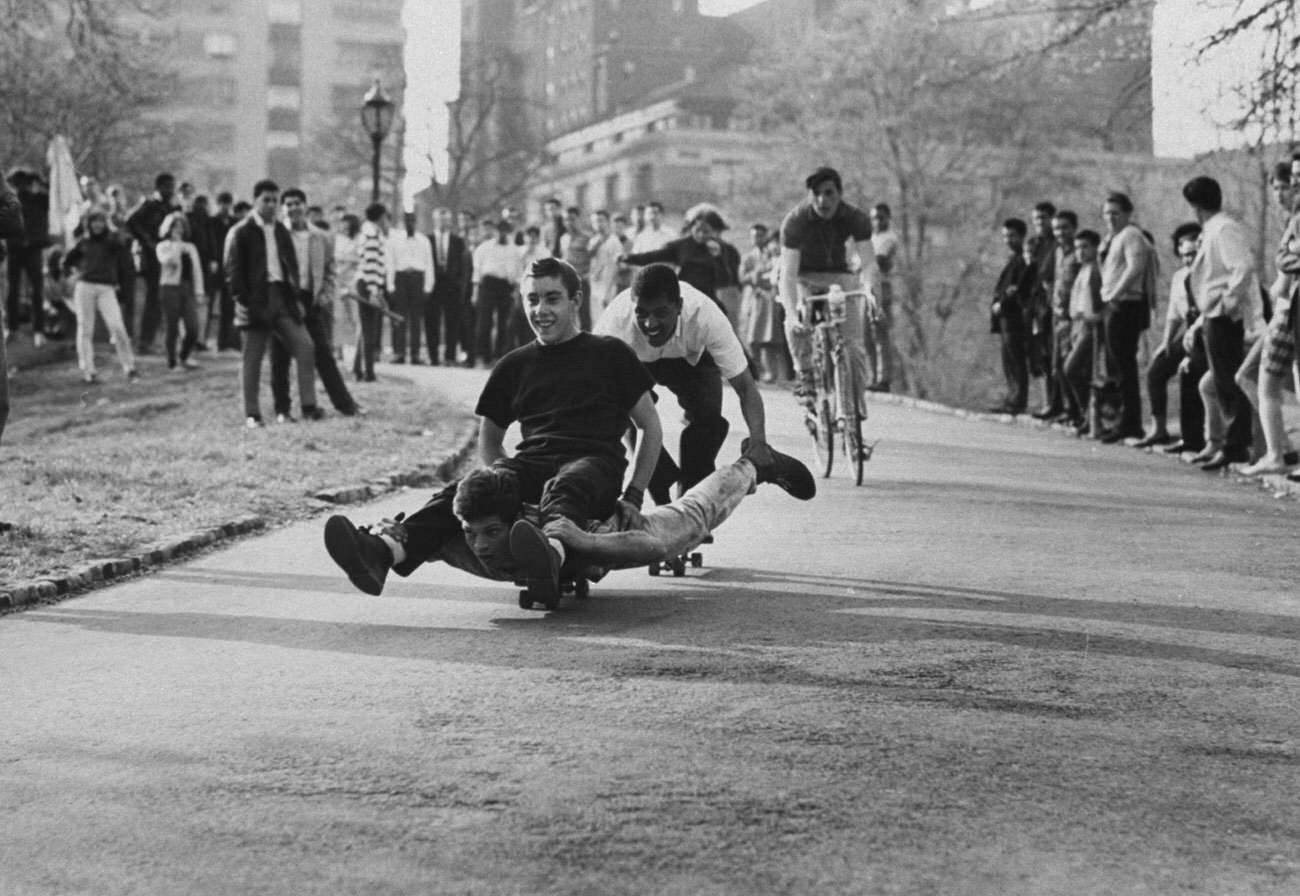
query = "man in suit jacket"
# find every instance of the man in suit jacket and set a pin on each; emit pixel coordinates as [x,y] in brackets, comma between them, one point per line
[314,253]
[262,268]
[143,225]
[11,226]
[448,297]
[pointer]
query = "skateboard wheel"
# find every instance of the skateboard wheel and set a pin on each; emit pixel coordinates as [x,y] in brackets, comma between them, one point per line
[525,599]
[679,567]
[582,588]
[655,568]
[697,559]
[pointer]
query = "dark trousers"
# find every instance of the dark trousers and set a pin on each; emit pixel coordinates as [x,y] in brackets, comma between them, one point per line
[1225,349]
[581,489]
[283,326]
[468,328]
[1060,398]
[442,315]
[520,332]
[25,260]
[322,354]
[151,314]
[1164,367]
[221,308]
[698,389]
[179,307]
[1015,356]
[1123,328]
[1191,415]
[408,301]
[492,306]
[363,364]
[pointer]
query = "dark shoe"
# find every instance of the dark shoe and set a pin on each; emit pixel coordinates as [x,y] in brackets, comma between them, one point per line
[1205,455]
[882,386]
[133,375]
[1293,476]
[1119,435]
[311,412]
[370,378]
[537,562]
[1218,462]
[359,553]
[400,359]
[1291,459]
[782,470]
[1153,440]
[349,411]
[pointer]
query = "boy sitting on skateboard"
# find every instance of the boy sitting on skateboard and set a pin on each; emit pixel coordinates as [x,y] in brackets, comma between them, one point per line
[572,394]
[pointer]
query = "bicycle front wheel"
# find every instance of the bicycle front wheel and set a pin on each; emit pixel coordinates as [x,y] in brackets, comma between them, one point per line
[824,436]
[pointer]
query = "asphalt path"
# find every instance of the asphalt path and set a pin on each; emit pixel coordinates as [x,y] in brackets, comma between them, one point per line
[1010,663]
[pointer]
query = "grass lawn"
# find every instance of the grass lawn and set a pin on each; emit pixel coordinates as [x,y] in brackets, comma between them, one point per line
[89,472]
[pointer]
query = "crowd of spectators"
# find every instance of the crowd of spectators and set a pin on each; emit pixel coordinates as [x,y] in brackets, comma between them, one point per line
[1071,303]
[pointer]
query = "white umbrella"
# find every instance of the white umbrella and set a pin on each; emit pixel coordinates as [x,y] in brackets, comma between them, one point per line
[66,201]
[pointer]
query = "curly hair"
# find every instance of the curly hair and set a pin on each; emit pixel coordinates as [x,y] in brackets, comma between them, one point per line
[487,492]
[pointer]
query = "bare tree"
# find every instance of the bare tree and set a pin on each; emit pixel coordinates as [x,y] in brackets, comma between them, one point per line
[909,109]
[87,69]
[494,147]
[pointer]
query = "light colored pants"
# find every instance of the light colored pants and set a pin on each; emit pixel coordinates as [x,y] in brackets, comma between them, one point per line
[683,524]
[1216,427]
[853,327]
[102,297]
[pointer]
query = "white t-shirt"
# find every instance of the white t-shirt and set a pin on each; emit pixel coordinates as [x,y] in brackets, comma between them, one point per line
[701,327]
[885,244]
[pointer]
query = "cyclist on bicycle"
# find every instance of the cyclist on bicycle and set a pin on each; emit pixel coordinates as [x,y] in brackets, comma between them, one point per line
[814,257]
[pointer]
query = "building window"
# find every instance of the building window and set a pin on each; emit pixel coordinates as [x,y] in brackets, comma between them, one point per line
[611,190]
[282,140]
[285,98]
[645,181]
[220,44]
[286,120]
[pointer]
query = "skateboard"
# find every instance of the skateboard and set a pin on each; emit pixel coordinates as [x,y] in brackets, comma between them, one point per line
[579,588]
[677,563]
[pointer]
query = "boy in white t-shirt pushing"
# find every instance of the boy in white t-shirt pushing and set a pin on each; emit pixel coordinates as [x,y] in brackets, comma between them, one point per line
[688,345]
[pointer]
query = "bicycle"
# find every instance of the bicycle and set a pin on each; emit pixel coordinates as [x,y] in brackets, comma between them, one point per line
[840,406]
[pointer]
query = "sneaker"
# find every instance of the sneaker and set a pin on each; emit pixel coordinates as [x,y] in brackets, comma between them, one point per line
[311,412]
[286,417]
[359,552]
[1264,467]
[254,422]
[133,375]
[537,562]
[189,364]
[782,470]
[1154,440]
[38,339]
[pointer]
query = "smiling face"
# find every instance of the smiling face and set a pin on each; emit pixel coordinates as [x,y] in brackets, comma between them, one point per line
[552,312]
[1063,230]
[295,210]
[657,318]
[489,539]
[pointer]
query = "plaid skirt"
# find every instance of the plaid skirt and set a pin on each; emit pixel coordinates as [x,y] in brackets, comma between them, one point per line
[1279,342]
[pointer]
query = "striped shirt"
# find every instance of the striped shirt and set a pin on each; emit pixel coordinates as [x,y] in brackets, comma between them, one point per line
[373,271]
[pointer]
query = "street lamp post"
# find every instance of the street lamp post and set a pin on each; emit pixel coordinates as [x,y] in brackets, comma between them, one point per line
[376,118]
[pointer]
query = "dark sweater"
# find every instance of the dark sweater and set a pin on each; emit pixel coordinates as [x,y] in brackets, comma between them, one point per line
[102,259]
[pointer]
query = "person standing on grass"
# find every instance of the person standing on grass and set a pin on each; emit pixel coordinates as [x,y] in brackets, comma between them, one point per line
[410,283]
[11,225]
[263,271]
[26,253]
[180,268]
[372,277]
[144,224]
[347,262]
[104,265]
[496,273]
[314,251]
[220,305]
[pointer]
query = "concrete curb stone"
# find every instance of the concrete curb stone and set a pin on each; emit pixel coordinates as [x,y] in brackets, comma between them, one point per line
[104,571]
[1278,486]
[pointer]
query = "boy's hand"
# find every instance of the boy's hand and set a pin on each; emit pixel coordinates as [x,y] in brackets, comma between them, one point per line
[629,516]
[563,530]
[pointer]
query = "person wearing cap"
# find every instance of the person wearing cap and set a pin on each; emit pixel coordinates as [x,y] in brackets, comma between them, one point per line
[814,256]
[689,347]
[698,256]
